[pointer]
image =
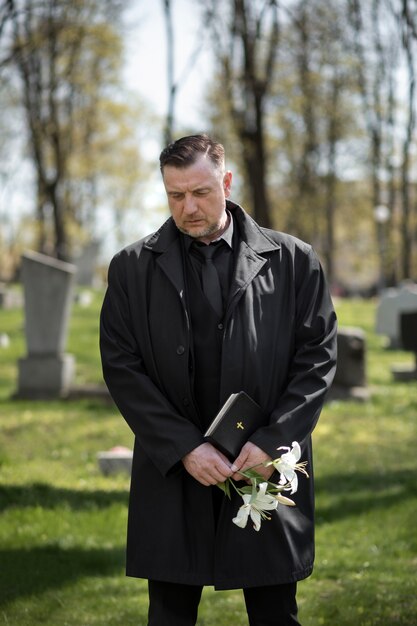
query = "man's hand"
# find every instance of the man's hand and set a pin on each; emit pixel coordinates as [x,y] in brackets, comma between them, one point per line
[249,456]
[207,465]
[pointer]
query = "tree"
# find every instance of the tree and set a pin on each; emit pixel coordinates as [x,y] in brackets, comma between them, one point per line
[407,231]
[313,124]
[246,36]
[378,40]
[334,124]
[174,84]
[68,58]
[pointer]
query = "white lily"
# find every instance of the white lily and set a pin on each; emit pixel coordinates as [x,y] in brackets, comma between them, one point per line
[284,500]
[255,505]
[287,464]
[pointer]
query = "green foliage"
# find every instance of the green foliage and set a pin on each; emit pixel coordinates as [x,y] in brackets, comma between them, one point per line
[62,524]
[80,121]
[336,124]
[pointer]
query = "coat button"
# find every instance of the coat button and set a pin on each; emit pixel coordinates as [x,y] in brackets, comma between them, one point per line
[185,401]
[220,326]
[180,350]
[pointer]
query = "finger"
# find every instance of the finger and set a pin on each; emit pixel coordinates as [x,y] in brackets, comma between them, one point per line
[239,461]
[224,459]
[212,480]
[209,476]
[220,473]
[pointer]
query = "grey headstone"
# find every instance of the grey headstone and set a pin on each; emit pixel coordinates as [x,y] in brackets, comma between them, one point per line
[86,264]
[116,460]
[351,352]
[408,328]
[392,303]
[350,377]
[9,298]
[46,371]
[43,376]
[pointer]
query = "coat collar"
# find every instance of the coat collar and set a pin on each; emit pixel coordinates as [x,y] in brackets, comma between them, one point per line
[250,232]
[254,242]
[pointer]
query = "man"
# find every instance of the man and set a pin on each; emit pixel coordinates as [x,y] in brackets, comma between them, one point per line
[174,347]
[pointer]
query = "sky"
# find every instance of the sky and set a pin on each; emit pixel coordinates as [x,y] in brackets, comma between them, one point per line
[146,61]
[146,75]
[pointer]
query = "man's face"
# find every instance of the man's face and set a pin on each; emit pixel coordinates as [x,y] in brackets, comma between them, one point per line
[197,198]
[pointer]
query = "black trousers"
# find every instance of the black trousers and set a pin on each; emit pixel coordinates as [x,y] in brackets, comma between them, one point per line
[172,604]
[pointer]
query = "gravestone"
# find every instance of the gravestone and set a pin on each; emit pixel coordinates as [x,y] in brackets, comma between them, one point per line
[46,371]
[9,299]
[408,330]
[350,377]
[392,303]
[115,460]
[86,264]
[4,340]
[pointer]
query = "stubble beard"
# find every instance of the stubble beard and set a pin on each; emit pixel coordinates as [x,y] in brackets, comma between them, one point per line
[205,232]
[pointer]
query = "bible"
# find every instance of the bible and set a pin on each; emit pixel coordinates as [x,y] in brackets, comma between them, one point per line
[238,418]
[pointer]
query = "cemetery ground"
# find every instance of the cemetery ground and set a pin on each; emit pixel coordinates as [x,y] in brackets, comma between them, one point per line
[62,524]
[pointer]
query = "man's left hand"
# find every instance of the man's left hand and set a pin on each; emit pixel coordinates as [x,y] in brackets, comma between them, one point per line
[249,456]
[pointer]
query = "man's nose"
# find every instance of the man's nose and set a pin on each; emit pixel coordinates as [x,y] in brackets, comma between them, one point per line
[190,204]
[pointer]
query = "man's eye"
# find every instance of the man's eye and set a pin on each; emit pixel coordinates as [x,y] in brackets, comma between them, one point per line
[201,192]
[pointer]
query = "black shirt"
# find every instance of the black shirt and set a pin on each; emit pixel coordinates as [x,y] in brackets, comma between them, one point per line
[222,258]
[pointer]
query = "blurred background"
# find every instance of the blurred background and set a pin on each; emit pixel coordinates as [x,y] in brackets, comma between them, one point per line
[315,101]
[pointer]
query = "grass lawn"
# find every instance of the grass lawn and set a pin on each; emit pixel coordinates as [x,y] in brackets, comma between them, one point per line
[62,525]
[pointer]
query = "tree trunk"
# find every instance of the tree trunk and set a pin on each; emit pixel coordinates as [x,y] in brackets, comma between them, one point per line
[255,164]
[247,65]
[406,227]
[169,121]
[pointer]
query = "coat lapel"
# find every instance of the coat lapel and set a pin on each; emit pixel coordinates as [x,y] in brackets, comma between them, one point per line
[253,246]
[171,264]
[248,264]
[166,243]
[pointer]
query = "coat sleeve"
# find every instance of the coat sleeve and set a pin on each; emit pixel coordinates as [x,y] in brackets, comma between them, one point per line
[313,362]
[165,435]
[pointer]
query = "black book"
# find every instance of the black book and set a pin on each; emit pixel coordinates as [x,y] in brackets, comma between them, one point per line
[238,418]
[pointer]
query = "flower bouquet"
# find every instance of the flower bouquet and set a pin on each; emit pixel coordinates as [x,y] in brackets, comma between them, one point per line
[263,495]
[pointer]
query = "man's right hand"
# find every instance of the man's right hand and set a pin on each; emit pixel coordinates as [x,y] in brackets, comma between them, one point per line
[207,465]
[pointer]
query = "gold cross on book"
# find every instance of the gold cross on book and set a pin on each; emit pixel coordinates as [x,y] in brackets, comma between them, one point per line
[240,425]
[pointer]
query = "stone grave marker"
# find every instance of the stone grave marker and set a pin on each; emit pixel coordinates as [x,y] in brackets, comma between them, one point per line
[350,378]
[392,303]
[9,299]
[86,264]
[116,460]
[46,371]
[408,329]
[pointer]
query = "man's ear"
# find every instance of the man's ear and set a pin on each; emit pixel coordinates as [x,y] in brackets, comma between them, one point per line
[227,183]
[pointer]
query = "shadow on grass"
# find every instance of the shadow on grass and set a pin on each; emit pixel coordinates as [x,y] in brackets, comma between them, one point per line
[49,497]
[362,492]
[33,571]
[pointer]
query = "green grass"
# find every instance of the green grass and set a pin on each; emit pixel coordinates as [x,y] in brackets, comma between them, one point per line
[62,524]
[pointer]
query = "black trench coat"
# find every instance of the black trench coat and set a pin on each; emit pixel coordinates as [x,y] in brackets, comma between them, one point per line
[279,345]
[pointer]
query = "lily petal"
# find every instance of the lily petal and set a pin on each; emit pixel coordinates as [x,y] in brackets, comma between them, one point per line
[283,500]
[241,518]
[256,518]
[296,450]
